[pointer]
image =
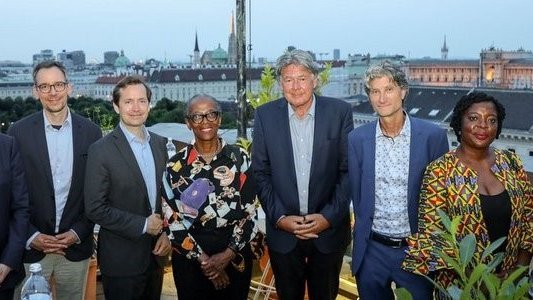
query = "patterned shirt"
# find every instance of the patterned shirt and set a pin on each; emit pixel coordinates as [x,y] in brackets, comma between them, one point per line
[452,187]
[392,166]
[208,196]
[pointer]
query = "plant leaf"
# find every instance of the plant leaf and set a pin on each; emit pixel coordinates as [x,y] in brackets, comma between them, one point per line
[445,219]
[508,283]
[475,276]
[492,283]
[498,257]
[492,247]
[466,249]
[403,294]
[455,292]
[522,288]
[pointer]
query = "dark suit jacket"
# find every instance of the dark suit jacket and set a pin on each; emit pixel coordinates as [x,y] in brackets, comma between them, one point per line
[273,166]
[14,212]
[30,135]
[428,142]
[116,198]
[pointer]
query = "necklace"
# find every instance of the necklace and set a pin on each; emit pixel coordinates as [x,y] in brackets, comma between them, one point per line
[391,136]
[208,155]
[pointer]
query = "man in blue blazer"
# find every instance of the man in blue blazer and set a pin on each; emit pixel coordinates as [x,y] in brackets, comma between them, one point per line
[14,216]
[300,164]
[387,159]
[53,146]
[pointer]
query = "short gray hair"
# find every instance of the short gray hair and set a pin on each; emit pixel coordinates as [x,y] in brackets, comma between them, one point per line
[202,96]
[296,57]
[389,70]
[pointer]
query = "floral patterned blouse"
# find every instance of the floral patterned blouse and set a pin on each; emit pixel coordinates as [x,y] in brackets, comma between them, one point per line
[451,186]
[206,196]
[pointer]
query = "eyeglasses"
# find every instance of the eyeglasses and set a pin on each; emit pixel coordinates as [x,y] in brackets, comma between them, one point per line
[58,87]
[198,118]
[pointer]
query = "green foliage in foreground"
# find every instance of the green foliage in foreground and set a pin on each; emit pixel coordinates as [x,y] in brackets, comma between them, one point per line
[476,280]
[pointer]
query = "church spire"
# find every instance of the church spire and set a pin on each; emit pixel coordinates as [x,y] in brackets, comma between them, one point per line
[232,43]
[444,50]
[232,24]
[196,59]
[196,48]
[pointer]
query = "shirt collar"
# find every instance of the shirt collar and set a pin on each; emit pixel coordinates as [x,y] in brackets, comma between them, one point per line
[66,123]
[132,137]
[311,111]
[406,129]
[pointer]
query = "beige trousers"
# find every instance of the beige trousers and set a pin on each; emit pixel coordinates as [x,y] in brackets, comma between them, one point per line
[68,278]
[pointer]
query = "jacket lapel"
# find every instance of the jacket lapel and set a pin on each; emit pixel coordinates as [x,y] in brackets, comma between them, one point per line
[159,161]
[319,137]
[285,141]
[39,137]
[129,159]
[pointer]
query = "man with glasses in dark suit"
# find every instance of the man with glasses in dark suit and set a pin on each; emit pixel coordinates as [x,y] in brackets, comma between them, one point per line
[53,145]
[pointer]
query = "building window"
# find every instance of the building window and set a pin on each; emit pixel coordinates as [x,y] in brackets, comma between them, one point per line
[530,153]
[512,150]
[433,112]
[455,144]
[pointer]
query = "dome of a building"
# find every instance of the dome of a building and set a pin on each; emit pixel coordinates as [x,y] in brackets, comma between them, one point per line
[122,61]
[219,54]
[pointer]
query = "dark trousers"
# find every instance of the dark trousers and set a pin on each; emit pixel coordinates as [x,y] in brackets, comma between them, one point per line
[192,284]
[381,267]
[306,263]
[146,286]
[7,294]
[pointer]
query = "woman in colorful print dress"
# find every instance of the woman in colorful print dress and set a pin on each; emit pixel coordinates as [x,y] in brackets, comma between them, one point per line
[486,187]
[209,187]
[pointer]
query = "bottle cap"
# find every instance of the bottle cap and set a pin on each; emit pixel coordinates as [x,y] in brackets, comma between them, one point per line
[36,267]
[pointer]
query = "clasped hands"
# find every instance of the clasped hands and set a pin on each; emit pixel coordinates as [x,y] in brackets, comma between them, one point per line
[304,227]
[154,226]
[214,267]
[54,243]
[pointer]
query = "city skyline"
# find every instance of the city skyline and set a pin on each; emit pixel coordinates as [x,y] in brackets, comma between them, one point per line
[166,29]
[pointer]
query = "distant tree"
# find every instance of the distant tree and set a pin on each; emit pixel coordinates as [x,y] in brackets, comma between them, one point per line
[102,113]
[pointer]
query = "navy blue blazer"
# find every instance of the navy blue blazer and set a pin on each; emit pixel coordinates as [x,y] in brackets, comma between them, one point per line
[30,135]
[273,165]
[14,212]
[428,142]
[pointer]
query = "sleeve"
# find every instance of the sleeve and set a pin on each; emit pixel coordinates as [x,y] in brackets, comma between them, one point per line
[270,200]
[527,216]
[83,227]
[424,247]
[98,184]
[337,207]
[19,213]
[246,228]
[178,223]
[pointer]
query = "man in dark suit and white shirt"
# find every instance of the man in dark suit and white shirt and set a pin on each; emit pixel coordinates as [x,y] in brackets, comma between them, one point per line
[53,145]
[14,216]
[122,195]
[300,163]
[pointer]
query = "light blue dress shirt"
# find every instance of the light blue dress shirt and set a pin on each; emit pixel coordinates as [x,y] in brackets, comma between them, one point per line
[145,160]
[302,136]
[61,155]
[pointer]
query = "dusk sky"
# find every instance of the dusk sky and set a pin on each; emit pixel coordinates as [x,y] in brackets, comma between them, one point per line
[165,28]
